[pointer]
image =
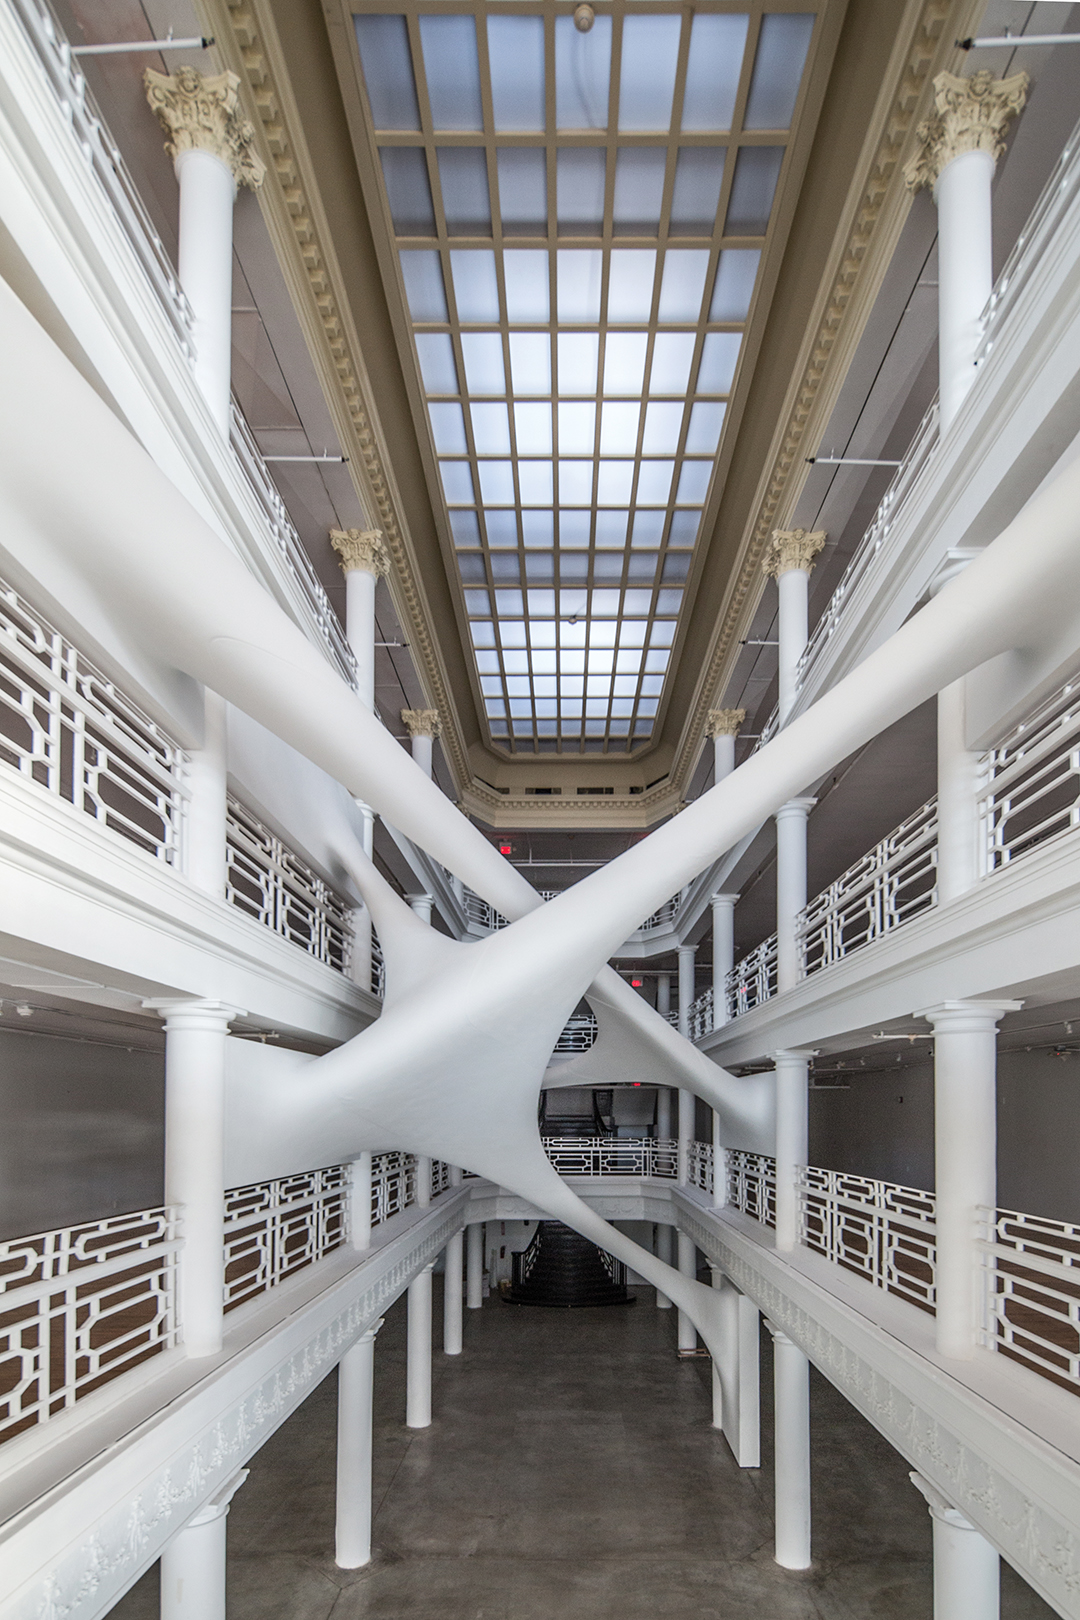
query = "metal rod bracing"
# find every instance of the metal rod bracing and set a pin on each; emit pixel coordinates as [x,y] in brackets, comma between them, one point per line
[200,43]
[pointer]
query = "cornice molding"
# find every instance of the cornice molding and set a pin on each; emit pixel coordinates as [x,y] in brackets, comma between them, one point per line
[247,36]
[877,206]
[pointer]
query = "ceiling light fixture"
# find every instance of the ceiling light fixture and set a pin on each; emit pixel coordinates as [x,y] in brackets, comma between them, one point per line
[24,1009]
[584,17]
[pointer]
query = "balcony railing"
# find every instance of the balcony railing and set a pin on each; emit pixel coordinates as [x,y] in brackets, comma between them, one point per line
[699,1165]
[752,1185]
[276,1228]
[613,1156]
[102,156]
[1032,781]
[67,728]
[79,1306]
[753,980]
[1031,1293]
[393,1185]
[268,881]
[579,1034]
[883,1232]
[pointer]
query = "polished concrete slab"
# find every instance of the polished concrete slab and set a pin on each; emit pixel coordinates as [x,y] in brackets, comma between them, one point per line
[572,1473]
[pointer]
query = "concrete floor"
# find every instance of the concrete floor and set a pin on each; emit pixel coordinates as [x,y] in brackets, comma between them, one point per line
[572,1473]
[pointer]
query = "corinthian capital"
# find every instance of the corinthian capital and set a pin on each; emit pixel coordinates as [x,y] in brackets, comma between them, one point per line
[202,114]
[723,722]
[361,549]
[792,548]
[422,722]
[971,115]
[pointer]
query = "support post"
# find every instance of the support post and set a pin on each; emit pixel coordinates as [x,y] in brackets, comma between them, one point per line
[420,905]
[422,1173]
[965,1156]
[452,1296]
[418,1352]
[687,1100]
[193,1562]
[791,819]
[791,1385]
[687,1250]
[360,1202]
[739,1372]
[664,1246]
[354,1435]
[474,1265]
[205,858]
[792,1105]
[423,726]
[722,725]
[789,560]
[723,945]
[967,1568]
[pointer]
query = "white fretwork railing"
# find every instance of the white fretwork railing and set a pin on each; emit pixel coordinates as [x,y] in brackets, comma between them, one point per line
[276,1228]
[664,917]
[66,727]
[1031,1294]
[752,1185]
[699,1166]
[101,155]
[613,1156]
[80,1305]
[291,547]
[886,888]
[701,1018]
[1031,789]
[753,980]
[578,1035]
[883,1232]
[265,879]
[906,477]
[440,1177]
[393,1184]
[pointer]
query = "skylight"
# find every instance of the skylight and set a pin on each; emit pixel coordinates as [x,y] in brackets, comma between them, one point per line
[579,221]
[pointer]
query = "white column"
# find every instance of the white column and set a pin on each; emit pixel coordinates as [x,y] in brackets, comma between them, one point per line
[792,1104]
[421,905]
[791,1385]
[958,769]
[360,916]
[364,561]
[423,727]
[205,823]
[791,819]
[193,1562]
[664,1246]
[723,947]
[195,1034]
[452,1297]
[739,1373]
[474,1265]
[422,1173]
[965,1156]
[355,1426]
[687,1251]
[418,1352]
[789,559]
[663,994]
[687,1100]
[211,145]
[967,1568]
[719,1157]
[360,1202]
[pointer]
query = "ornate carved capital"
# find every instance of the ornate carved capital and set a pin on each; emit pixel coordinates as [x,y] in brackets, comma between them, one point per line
[723,722]
[202,114]
[792,548]
[971,115]
[361,548]
[422,722]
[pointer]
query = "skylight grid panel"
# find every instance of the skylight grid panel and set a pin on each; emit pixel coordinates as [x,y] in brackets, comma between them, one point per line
[783,43]
[386,60]
[640,173]
[582,74]
[452,70]
[476,285]
[714,70]
[753,187]
[648,62]
[518,73]
[523,190]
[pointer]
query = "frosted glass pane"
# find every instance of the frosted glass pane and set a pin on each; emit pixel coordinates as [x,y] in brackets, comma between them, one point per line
[535,483]
[457,483]
[699,172]
[519,685]
[512,635]
[734,285]
[757,170]
[624,362]
[662,425]
[516,56]
[532,425]
[476,290]
[491,430]
[465,528]
[618,429]
[464,182]
[496,483]
[719,353]
[684,528]
[781,54]
[483,362]
[522,190]
[574,530]
[526,272]
[669,601]
[632,635]
[437,367]
[693,483]
[578,273]
[712,71]
[662,633]
[627,663]
[650,51]
[582,74]
[611,531]
[639,190]
[635,603]
[575,482]
[605,604]
[641,567]
[630,284]
[648,529]
[613,484]
[538,531]
[578,355]
[654,484]
[574,565]
[423,277]
[448,430]
[577,429]
[530,362]
[501,529]
[681,290]
[511,602]
[492,687]
[703,434]
[607,565]
[408,190]
[487,663]
[388,74]
[452,70]
[505,569]
[579,189]
[672,356]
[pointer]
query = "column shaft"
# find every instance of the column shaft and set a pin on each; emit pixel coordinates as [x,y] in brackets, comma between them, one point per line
[958,791]
[207,195]
[792,1105]
[664,1247]
[688,1267]
[452,1296]
[193,1562]
[965,271]
[474,1279]
[354,1434]
[723,945]
[204,831]
[360,629]
[423,1181]
[360,1202]
[793,590]
[739,1373]
[791,821]
[418,1353]
[791,1382]
[967,1568]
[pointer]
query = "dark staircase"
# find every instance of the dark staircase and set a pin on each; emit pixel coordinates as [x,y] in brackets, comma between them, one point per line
[562,1269]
